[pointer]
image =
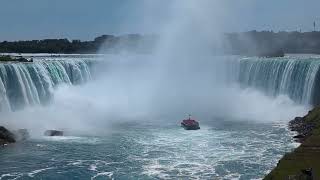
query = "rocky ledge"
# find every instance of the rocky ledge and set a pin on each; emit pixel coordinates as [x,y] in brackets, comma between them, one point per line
[6,136]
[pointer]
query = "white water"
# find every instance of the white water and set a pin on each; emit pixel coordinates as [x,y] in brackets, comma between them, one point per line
[28,84]
[295,77]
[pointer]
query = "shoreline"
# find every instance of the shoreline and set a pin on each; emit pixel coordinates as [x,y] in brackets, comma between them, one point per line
[304,161]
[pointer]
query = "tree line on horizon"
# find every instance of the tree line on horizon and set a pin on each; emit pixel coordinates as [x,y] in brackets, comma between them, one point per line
[243,43]
[255,42]
[104,43]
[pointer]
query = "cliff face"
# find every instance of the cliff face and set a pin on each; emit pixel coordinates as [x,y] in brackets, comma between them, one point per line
[304,161]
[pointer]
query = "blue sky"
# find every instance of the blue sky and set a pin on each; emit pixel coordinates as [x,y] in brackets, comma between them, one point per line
[86,19]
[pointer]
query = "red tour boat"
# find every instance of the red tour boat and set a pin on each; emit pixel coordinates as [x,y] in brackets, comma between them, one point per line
[190,124]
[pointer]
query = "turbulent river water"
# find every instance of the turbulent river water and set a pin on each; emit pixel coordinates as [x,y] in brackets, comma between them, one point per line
[228,150]
[240,146]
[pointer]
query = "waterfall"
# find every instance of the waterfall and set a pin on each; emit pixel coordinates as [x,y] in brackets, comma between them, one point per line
[294,77]
[28,84]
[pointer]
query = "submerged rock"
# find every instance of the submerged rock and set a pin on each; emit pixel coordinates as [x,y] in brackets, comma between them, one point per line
[6,136]
[53,133]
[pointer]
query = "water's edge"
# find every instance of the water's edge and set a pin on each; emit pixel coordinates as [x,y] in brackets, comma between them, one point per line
[303,158]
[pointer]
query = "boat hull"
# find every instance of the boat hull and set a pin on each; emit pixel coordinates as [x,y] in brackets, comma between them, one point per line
[190,127]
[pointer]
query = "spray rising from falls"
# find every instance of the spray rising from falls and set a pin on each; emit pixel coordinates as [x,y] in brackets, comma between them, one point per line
[295,77]
[28,84]
[133,88]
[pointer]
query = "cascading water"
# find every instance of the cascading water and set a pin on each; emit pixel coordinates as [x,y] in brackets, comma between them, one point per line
[25,84]
[295,77]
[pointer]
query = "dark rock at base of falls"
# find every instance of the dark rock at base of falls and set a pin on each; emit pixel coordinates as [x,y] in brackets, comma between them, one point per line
[302,127]
[53,133]
[6,136]
[21,134]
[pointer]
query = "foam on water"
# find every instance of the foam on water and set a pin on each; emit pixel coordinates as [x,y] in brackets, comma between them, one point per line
[72,139]
[221,149]
[206,153]
[33,173]
[107,174]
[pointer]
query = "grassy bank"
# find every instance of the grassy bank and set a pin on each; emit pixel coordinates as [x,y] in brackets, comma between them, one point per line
[306,156]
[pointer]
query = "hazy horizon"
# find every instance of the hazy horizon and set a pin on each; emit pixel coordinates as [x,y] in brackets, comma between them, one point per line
[85,20]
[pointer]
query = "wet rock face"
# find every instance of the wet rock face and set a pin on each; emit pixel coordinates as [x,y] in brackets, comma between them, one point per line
[53,133]
[6,136]
[303,128]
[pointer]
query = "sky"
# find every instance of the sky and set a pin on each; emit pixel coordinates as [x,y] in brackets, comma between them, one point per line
[87,19]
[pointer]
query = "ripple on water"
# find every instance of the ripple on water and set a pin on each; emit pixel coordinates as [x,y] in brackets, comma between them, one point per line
[11,176]
[103,174]
[73,139]
[248,152]
[211,154]
[33,173]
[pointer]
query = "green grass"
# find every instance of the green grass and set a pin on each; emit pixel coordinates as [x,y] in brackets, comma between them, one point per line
[307,155]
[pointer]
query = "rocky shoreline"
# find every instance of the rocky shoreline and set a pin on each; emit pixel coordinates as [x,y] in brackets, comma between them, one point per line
[302,127]
[304,161]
